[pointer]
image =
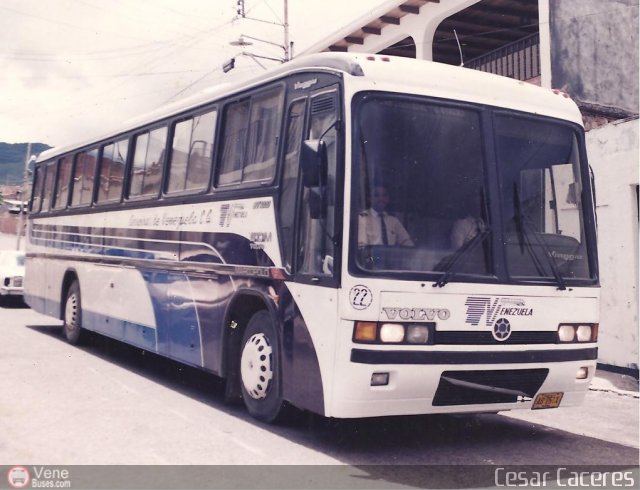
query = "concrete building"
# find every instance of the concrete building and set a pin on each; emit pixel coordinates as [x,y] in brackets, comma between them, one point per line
[587,48]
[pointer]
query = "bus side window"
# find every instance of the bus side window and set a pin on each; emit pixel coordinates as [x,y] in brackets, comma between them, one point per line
[317,236]
[47,191]
[62,187]
[148,163]
[37,189]
[114,159]
[250,138]
[190,163]
[83,177]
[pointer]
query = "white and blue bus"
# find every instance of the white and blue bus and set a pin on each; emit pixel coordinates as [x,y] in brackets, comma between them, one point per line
[354,235]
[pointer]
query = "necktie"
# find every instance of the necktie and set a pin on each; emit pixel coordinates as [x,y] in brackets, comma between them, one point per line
[383,229]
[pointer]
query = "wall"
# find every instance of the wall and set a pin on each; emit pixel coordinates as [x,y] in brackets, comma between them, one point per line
[613,154]
[594,50]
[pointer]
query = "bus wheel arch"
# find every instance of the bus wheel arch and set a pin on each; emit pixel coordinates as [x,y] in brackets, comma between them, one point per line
[249,315]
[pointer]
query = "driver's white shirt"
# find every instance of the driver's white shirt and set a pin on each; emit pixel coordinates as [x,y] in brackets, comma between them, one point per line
[370,230]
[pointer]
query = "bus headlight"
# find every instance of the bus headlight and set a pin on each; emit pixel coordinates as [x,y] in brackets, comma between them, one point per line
[392,332]
[367,332]
[583,333]
[578,332]
[566,333]
[417,334]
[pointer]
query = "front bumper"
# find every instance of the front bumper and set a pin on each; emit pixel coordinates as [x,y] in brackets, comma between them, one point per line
[421,382]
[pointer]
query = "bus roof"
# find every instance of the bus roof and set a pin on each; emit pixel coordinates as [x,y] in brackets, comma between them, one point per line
[391,73]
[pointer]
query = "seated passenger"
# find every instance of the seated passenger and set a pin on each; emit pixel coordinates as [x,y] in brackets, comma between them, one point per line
[377,227]
[465,229]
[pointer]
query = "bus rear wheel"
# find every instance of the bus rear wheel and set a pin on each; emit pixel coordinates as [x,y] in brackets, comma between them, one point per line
[261,382]
[72,328]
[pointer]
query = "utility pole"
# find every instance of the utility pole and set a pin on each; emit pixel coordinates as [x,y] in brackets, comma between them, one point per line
[287,47]
[25,176]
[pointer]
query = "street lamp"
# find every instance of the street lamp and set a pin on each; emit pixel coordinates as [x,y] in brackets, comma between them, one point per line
[243,42]
[287,47]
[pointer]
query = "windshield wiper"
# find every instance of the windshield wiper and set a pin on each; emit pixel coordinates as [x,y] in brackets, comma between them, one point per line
[453,259]
[525,231]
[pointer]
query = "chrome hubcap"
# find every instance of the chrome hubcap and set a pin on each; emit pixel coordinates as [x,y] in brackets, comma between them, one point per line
[255,366]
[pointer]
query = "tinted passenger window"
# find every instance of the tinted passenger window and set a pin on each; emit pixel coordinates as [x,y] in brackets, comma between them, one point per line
[63,180]
[36,192]
[49,180]
[148,160]
[250,139]
[83,177]
[192,149]
[114,158]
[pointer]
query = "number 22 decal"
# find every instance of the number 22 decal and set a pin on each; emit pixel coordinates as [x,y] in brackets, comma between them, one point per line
[360,297]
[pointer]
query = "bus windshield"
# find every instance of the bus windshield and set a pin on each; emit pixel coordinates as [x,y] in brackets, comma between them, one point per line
[423,202]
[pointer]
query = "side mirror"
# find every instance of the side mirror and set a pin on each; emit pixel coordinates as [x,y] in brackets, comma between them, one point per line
[313,160]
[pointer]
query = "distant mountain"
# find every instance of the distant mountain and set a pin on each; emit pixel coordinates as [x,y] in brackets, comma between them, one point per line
[12,157]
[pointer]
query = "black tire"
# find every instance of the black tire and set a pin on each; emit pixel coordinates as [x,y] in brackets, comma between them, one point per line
[72,315]
[260,368]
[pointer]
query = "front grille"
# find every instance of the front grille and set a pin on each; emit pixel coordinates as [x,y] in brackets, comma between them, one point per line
[483,387]
[486,338]
[17,282]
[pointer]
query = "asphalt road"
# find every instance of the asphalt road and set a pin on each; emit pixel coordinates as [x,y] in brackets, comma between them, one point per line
[108,403]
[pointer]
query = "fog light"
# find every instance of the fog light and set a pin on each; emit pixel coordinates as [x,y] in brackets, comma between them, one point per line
[566,333]
[392,332]
[583,333]
[365,332]
[379,379]
[583,373]
[417,334]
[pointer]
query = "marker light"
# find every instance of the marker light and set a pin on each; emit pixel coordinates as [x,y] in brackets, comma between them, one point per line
[583,333]
[392,332]
[365,331]
[566,333]
[417,334]
[583,373]
[379,379]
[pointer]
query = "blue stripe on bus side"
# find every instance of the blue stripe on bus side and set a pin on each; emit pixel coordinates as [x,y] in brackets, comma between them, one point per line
[139,335]
[177,321]
[135,334]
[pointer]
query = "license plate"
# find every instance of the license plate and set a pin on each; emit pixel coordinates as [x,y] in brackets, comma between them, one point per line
[547,400]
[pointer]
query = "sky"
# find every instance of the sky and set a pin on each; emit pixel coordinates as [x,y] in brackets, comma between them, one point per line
[72,69]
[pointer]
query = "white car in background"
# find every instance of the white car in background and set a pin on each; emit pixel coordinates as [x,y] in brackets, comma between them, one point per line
[11,272]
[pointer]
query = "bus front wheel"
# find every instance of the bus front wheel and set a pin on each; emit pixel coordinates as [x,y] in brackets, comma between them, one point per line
[260,368]
[72,328]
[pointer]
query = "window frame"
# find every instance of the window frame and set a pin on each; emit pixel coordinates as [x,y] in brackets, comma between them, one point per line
[37,187]
[170,137]
[223,107]
[102,146]
[59,160]
[48,166]
[72,185]
[131,157]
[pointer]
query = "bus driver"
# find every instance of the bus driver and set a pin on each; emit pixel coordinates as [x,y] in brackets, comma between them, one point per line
[377,227]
